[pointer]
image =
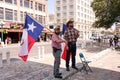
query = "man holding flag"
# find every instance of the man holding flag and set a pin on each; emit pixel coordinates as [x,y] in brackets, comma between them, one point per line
[56,45]
[32,29]
[71,35]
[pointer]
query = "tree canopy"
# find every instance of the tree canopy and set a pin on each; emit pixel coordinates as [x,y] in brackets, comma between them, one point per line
[106,12]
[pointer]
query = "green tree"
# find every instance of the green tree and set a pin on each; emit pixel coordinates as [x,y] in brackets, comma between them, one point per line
[106,12]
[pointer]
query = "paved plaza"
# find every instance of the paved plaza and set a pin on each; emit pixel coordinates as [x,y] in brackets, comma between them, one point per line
[105,64]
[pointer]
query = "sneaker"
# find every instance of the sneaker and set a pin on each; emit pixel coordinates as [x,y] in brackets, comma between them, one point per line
[58,76]
[67,69]
[75,68]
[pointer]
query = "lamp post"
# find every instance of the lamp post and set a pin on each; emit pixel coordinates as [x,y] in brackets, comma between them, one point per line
[1,25]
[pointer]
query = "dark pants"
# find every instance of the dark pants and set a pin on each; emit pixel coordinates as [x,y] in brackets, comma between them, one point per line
[71,50]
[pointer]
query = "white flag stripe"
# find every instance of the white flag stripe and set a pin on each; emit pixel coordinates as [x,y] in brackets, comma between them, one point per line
[24,47]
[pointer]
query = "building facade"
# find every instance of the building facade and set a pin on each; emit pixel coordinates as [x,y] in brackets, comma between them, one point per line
[12,13]
[80,11]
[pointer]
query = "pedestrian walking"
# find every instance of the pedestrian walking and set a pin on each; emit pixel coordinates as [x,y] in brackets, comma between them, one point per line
[71,35]
[111,42]
[56,45]
[115,40]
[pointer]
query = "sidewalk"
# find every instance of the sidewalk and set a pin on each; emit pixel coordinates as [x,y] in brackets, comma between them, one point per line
[35,69]
[105,67]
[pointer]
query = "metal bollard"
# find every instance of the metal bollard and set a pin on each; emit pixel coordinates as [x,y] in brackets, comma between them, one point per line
[39,52]
[43,51]
[8,57]
[1,62]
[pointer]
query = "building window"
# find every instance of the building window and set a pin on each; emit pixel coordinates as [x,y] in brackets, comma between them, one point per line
[40,19]
[64,14]
[40,7]
[8,14]
[64,20]
[15,2]
[58,14]
[44,20]
[36,5]
[31,4]
[43,8]
[71,0]
[58,2]
[8,1]
[1,13]
[15,15]
[64,0]
[21,2]
[71,6]
[26,3]
[71,13]
[58,8]
[64,8]
[21,16]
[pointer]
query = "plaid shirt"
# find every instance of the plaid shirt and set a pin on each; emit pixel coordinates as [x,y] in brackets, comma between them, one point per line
[71,35]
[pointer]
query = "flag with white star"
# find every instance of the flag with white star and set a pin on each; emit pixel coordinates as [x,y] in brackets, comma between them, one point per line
[31,31]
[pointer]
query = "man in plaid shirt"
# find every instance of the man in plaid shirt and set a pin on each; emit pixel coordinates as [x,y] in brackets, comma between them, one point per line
[71,35]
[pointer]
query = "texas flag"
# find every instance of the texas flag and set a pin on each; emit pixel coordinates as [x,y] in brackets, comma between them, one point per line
[64,48]
[32,29]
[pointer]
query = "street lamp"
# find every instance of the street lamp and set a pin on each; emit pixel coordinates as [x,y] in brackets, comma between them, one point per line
[1,25]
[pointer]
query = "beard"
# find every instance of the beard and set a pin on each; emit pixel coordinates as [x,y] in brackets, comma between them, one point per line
[57,33]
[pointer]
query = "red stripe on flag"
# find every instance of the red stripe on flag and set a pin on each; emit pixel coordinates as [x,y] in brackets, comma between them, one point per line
[24,58]
[64,53]
[31,41]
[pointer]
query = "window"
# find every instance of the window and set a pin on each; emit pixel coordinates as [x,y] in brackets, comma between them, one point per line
[43,19]
[58,2]
[71,6]
[64,0]
[1,13]
[8,1]
[31,4]
[71,13]
[36,6]
[40,7]
[58,14]
[21,16]
[64,20]
[71,0]
[51,26]
[78,7]
[64,14]
[64,8]
[21,3]
[58,8]
[26,3]
[8,14]
[43,8]
[15,2]
[15,15]
[40,19]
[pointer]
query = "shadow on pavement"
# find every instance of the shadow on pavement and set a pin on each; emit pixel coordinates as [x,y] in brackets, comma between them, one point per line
[19,70]
[97,74]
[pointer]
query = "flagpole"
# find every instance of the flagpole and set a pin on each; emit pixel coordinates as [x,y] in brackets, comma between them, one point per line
[48,29]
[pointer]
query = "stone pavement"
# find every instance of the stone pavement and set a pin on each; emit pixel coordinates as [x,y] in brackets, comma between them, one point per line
[104,65]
